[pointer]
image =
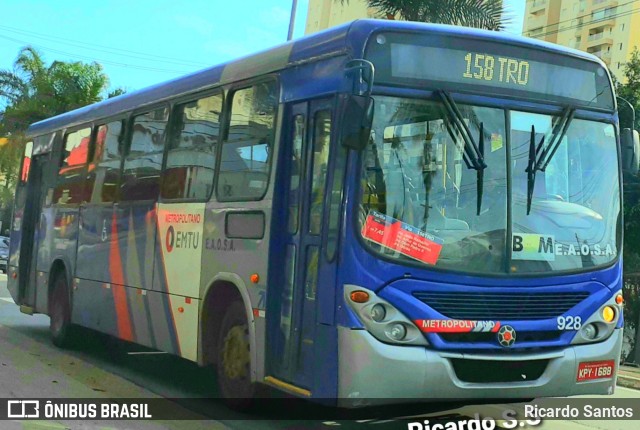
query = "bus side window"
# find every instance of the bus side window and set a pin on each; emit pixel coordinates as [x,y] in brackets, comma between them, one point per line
[296,173]
[70,184]
[142,165]
[320,161]
[246,153]
[26,162]
[191,158]
[104,168]
[335,202]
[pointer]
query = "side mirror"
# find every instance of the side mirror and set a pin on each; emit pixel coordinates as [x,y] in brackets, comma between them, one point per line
[357,116]
[630,151]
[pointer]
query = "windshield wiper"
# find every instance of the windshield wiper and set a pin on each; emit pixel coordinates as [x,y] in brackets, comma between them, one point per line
[540,156]
[472,154]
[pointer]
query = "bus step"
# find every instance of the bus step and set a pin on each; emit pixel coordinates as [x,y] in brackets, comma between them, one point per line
[26,309]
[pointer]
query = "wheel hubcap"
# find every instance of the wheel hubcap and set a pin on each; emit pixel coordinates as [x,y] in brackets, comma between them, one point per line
[235,353]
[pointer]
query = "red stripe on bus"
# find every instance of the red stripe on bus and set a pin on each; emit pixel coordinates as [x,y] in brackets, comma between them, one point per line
[117,278]
[122,312]
[115,262]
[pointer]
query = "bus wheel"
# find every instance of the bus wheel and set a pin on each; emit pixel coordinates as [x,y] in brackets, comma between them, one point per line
[60,312]
[234,359]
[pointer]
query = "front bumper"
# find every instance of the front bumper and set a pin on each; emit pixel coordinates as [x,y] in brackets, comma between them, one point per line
[371,372]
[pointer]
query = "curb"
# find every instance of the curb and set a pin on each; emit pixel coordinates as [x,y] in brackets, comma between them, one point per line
[628,381]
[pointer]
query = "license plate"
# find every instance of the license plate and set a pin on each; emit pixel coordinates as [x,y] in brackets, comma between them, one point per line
[595,370]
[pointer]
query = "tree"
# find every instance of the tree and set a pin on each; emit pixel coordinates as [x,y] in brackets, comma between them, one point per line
[487,14]
[10,154]
[33,91]
[630,91]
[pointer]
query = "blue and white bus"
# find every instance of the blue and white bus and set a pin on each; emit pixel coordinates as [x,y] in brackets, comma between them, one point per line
[384,211]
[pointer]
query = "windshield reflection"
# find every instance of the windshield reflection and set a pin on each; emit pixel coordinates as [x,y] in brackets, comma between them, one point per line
[416,176]
[420,195]
[575,206]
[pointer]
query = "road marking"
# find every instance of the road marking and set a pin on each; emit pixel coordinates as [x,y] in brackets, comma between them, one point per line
[7,299]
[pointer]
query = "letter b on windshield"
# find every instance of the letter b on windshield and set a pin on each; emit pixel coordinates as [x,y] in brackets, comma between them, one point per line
[517,243]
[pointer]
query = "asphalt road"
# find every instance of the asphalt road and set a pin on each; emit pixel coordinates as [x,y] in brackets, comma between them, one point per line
[30,367]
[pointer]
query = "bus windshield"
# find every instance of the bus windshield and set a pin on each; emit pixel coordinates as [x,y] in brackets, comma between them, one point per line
[424,200]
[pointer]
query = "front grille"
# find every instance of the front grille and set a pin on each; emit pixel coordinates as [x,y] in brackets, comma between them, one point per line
[488,337]
[500,306]
[488,371]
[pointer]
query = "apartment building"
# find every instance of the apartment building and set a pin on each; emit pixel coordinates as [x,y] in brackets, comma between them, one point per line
[323,14]
[609,29]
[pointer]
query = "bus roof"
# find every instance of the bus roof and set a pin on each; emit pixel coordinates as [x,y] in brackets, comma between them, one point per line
[348,39]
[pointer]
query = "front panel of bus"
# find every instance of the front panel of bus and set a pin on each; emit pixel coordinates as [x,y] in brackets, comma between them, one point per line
[483,238]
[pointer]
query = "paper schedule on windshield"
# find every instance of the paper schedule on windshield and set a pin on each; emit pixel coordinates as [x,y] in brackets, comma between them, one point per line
[402,237]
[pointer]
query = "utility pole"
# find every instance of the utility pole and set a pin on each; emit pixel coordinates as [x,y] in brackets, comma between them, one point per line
[292,20]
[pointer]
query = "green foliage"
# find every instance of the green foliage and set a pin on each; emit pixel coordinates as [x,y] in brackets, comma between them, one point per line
[10,154]
[631,306]
[630,92]
[116,92]
[33,91]
[487,14]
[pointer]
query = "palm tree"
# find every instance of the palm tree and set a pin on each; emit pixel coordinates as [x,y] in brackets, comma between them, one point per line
[487,14]
[33,91]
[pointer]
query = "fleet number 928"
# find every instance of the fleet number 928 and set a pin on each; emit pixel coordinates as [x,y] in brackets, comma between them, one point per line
[569,322]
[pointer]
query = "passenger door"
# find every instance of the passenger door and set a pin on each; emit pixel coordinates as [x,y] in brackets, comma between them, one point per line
[32,228]
[294,292]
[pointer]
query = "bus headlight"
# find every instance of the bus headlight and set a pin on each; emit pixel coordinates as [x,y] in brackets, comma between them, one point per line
[601,324]
[608,314]
[397,332]
[378,312]
[381,319]
[589,331]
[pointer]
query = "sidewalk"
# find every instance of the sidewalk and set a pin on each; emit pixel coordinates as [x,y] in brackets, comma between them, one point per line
[629,377]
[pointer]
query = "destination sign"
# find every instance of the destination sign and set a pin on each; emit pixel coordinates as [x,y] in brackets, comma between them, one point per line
[487,67]
[459,66]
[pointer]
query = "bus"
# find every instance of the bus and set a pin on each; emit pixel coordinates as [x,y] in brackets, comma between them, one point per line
[381,212]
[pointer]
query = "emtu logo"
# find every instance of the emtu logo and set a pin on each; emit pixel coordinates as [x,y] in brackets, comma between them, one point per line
[171,235]
[181,239]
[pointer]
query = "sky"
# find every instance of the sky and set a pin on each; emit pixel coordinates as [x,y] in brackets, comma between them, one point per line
[140,43]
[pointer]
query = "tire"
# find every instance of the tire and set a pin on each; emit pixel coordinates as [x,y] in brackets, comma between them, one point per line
[60,325]
[234,359]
